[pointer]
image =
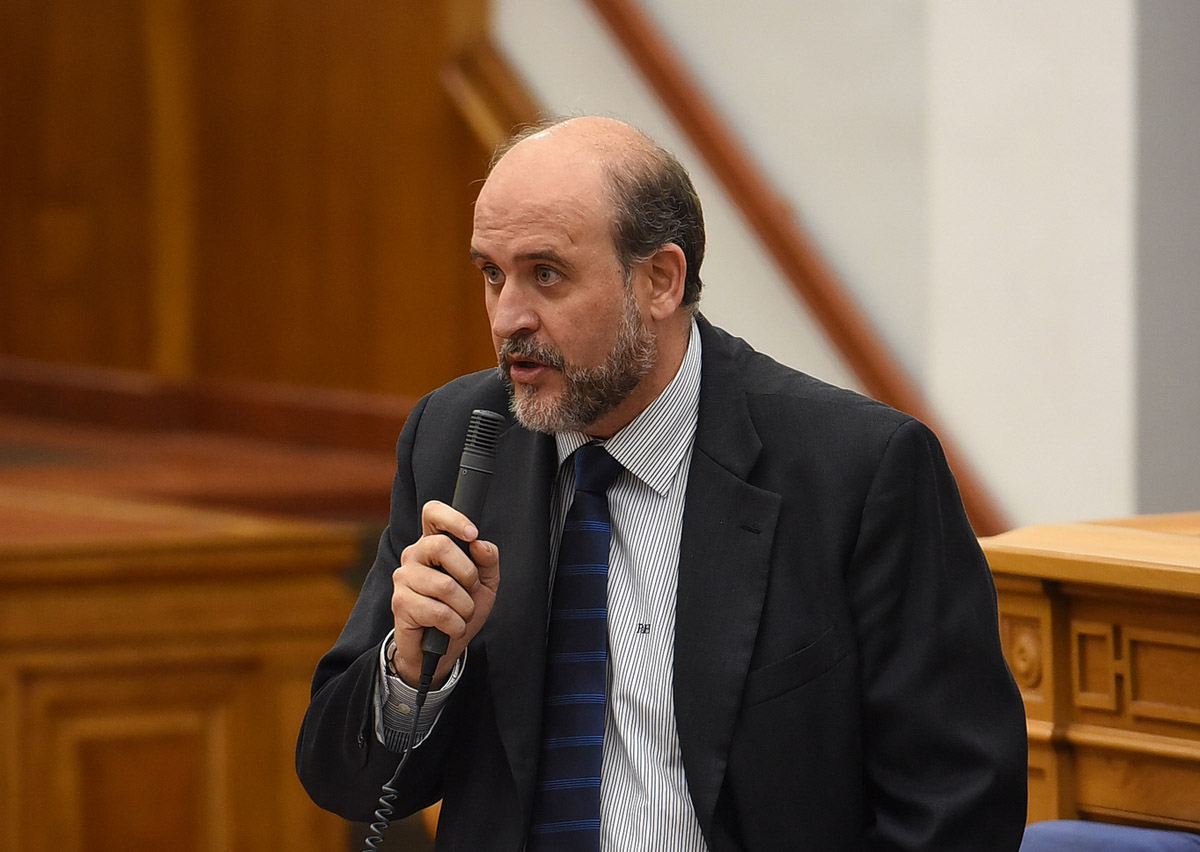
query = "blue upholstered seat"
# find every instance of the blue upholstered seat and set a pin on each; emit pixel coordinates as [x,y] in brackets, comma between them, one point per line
[1077,836]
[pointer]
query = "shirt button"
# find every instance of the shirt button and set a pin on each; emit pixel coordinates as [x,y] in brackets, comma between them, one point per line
[404,710]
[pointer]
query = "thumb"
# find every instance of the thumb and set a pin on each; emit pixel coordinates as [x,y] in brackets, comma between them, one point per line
[486,557]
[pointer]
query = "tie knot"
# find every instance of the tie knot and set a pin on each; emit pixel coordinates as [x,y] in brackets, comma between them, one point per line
[595,469]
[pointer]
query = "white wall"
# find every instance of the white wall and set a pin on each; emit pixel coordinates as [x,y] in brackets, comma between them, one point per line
[830,102]
[1031,355]
[969,169]
[571,64]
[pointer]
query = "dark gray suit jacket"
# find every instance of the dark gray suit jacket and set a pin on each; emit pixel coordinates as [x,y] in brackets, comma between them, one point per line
[838,678]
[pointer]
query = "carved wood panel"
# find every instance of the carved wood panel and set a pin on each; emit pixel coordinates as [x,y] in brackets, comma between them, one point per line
[1106,651]
[154,668]
[184,749]
[1095,665]
[1163,675]
[1035,646]
[1135,665]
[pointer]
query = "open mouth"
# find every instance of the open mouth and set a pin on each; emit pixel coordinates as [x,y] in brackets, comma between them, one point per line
[524,369]
[523,361]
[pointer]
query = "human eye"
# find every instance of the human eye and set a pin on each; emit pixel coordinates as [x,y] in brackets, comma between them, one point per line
[546,275]
[492,274]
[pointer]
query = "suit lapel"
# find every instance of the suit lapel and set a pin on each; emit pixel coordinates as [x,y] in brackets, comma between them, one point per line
[518,521]
[728,530]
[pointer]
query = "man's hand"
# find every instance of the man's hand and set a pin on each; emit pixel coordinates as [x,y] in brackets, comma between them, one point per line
[438,585]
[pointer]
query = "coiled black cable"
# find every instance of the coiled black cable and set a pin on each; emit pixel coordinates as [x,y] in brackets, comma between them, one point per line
[387,799]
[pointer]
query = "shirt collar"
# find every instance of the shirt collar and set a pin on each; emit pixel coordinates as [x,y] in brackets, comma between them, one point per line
[653,444]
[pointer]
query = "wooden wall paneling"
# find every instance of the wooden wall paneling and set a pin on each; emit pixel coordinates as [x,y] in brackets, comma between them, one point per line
[275,192]
[430,321]
[173,175]
[1137,708]
[1161,668]
[299,819]
[1094,665]
[1136,779]
[135,779]
[10,745]
[350,227]
[335,212]
[76,256]
[245,149]
[19,104]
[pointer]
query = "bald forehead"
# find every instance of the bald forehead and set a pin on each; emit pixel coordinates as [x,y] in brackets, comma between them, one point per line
[589,142]
[561,171]
[561,192]
[607,135]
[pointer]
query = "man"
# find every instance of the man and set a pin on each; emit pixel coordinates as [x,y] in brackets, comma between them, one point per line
[802,648]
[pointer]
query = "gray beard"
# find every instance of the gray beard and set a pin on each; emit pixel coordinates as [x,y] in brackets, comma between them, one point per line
[588,393]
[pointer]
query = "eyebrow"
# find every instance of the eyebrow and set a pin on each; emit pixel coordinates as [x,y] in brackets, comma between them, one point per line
[544,254]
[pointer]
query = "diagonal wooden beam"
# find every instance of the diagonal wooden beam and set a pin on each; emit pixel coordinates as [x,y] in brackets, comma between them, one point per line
[488,93]
[494,101]
[770,216]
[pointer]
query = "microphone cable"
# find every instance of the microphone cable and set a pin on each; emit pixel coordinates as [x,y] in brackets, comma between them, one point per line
[387,799]
[474,474]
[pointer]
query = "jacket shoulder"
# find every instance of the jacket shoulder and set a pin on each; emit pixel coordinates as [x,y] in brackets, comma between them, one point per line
[786,403]
[483,389]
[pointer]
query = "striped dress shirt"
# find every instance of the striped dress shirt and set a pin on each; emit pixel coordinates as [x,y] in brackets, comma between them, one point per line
[644,800]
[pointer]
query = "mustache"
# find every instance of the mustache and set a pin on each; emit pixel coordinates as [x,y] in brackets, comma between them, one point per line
[527,349]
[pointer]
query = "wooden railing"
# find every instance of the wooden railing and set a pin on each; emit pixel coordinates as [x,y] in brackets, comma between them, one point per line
[488,93]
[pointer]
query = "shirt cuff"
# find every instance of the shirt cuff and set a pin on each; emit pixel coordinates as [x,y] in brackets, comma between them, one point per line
[396,702]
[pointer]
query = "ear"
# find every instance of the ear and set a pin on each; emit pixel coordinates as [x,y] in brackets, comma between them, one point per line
[665,272]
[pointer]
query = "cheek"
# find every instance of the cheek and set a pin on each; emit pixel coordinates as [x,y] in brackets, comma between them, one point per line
[588,341]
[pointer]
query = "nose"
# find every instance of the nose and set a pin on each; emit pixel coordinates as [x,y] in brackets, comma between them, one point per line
[510,312]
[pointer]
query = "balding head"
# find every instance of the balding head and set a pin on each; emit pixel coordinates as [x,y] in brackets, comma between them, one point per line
[649,193]
[586,307]
[606,139]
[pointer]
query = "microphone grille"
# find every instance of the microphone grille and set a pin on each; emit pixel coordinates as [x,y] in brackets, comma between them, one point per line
[483,432]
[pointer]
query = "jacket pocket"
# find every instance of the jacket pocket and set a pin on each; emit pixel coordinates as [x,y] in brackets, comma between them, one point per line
[794,670]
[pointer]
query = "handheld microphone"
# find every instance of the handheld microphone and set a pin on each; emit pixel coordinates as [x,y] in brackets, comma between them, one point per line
[474,475]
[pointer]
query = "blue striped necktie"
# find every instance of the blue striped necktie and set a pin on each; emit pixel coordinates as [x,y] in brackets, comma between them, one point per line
[566,808]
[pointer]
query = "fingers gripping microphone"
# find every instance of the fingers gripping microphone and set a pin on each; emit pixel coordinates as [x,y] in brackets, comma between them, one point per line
[474,474]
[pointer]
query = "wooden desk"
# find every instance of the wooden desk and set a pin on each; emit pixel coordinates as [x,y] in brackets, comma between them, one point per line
[154,667]
[1101,627]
